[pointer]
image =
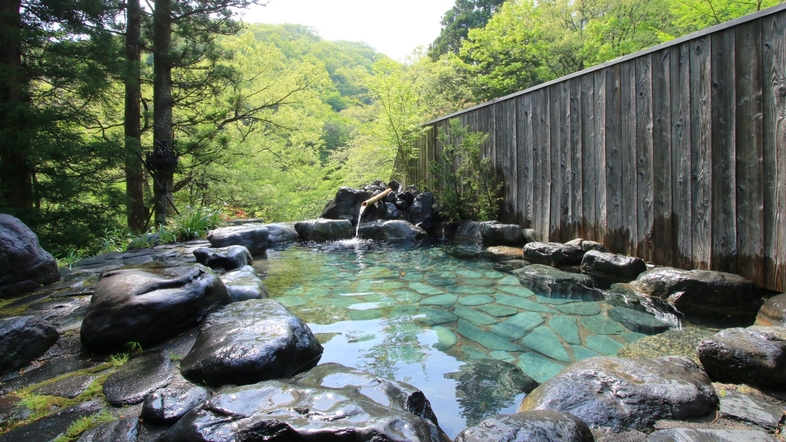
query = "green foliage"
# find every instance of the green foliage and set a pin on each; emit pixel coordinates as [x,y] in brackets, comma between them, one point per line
[83,424]
[462,178]
[458,21]
[118,360]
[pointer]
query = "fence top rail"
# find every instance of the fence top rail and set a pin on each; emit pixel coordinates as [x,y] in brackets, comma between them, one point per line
[677,41]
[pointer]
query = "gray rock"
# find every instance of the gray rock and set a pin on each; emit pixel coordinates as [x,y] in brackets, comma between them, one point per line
[138,377]
[529,426]
[553,253]
[530,235]
[24,265]
[773,312]
[324,229]
[225,258]
[497,234]
[701,292]
[50,427]
[676,342]
[330,407]
[345,205]
[166,406]
[592,245]
[69,387]
[751,409]
[551,282]
[510,265]
[638,321]
[279,233]
[148,308]
[121,430]
[745,356]
[22,339]
[503,253]
[421,212]
[627,394]
[485,386]
[250,341]
[252,236]
[244,284]
[701,435]
[392,230]
[612,265]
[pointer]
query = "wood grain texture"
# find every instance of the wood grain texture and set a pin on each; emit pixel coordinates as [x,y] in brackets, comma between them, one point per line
[588,160]
[681,158]
[643,160]
[701,151]
[524,149]
[615,222]
[662,231]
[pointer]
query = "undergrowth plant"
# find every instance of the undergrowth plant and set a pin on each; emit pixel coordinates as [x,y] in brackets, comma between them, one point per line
[462,177]
[83,424]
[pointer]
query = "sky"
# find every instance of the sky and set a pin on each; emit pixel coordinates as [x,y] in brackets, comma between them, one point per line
[393,27]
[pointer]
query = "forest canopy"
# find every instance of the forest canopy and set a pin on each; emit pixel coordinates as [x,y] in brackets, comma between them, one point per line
[267,121]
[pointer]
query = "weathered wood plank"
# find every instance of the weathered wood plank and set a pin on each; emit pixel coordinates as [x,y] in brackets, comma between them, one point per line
[511,163]
[576,165]
[538,183]
[615,229]
[601,196]
[723,135]
[564,163]
[681,158]
[589,172]
[629,190]
[546,154]
[644,153]
[524,157]
[701,155]
[556,117]
[750,155]
[774,107]
[662,232]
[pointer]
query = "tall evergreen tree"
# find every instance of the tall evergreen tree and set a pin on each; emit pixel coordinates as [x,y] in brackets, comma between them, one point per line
[456,23]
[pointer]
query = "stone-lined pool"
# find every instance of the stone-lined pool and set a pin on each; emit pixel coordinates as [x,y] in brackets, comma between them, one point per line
[417,314]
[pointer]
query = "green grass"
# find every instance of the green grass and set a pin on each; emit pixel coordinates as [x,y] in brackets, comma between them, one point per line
[83,424]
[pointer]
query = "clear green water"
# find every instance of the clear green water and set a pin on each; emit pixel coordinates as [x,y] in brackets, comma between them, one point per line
[417,314]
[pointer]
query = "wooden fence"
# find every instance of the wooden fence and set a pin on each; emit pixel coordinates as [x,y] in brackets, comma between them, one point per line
[676,154]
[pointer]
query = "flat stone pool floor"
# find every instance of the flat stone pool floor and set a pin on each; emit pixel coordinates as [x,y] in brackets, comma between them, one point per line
[417,314]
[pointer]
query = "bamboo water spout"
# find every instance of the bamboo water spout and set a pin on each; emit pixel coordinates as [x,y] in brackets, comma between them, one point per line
[375,198]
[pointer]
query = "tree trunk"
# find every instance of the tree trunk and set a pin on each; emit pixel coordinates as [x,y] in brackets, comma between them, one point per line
[162,100]
[16,175]
[136,214]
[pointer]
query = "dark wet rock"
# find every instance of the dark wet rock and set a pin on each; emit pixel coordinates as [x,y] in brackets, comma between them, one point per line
[345,205]
[751,409]
[121,430]
[701,292]
[530,235]
[324,229]
[627,394]
[485,386]
[69,387]
[622,295]
[254,237]
[503,253]
[24,265]
[308,408]
[497,234]
[250,341]
[704,435]
[224,258]
[138,377]
[244,284]
[421,211]
[22,339]
[591,245]
[399,395]
[554,283]
[510,265]
[553,253]
[166,406]
[49,427]
[773,312]
[279,233]
[612,265]
[672,342]
[638,321]
[11,409]
[755,356]
[144,307]
[529,426]
[393,230]
[52,368]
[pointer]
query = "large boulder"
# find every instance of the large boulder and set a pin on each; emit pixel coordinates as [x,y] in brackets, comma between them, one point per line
[492,233]
[612,265]
[244,284]
[393,230]
[22,339]
[346,204]
[137,378]
[252,236]
[325,406]
[553,253]
[627,394]
[755,356]
[554,283]
[773,312]
[248,342]
[149,306]
[167,405]
[324,229]
[224,258]
[421,212]
[529,426]
[701,292]
[279,233]
[24,265]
